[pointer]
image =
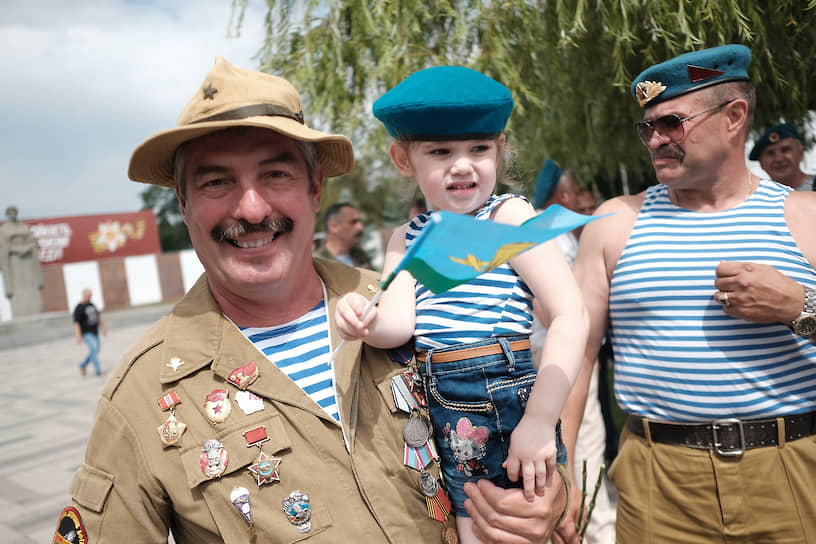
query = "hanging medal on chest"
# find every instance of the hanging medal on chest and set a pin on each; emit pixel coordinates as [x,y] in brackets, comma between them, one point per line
[240,500]
[171,430]
[265,469]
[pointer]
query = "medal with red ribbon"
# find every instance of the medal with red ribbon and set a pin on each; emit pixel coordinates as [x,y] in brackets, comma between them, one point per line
[265,469]
[171,430]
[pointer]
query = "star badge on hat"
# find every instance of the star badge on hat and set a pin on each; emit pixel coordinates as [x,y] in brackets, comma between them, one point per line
[773,137]
[209,92]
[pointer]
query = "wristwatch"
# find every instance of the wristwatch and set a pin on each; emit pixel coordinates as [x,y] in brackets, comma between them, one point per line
[805,324]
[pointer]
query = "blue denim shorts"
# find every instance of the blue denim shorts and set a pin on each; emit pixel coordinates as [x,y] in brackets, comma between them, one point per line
[474,405]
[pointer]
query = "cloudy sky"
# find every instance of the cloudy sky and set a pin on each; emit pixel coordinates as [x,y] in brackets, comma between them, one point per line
[85,82]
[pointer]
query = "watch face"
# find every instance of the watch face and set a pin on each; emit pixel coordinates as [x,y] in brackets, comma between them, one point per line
[805,325]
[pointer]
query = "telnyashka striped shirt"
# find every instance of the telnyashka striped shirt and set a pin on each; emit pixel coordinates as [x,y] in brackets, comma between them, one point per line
[497,303]
[301,349]
[678,356]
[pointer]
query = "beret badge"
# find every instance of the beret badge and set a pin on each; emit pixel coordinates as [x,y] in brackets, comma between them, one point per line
[773,137]
[647,90]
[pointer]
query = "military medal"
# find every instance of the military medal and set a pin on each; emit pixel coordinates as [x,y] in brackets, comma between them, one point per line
[436,500]
[297,510]
[248,402]
[421,457]
[416,431]
[217,405]
[244,376]
[265,469]
[171,430]
[213,458]
[407,391]
[240,500]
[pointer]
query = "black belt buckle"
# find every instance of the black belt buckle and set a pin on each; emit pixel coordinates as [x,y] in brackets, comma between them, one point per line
[715,426]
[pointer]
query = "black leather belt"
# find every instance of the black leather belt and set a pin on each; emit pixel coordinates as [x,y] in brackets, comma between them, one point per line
[729,437]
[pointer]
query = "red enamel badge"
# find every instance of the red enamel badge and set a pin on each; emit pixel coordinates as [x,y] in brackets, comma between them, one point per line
[244,376]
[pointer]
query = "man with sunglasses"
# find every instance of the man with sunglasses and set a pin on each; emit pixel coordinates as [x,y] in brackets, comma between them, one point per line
[707,282]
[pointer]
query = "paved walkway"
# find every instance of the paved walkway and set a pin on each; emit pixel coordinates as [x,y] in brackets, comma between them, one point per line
[47,411]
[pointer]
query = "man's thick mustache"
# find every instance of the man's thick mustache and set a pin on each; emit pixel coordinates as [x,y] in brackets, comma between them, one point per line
[222,233]
[668,151]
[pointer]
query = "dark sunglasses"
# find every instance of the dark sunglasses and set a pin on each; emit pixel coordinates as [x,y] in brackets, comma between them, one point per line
[670,126]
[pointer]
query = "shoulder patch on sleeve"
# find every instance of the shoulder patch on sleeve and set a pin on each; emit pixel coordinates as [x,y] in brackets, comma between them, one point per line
[69,528]
[90,487]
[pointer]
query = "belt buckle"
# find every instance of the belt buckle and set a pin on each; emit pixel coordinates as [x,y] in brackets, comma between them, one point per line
[715,425]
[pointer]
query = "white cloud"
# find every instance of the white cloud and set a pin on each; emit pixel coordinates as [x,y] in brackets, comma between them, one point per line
[87,81]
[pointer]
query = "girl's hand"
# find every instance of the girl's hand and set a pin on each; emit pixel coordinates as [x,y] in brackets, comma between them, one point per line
[532,456]
[347,317]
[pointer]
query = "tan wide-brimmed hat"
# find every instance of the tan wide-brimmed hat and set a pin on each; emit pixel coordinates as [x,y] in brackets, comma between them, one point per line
[235,97]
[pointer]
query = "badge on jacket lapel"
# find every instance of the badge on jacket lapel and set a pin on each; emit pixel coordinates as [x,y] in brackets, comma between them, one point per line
[218,405]
[244,376]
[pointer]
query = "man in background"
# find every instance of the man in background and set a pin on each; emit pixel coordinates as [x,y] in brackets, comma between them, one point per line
[780,151]
[87,323]
[344,232]
[555,185]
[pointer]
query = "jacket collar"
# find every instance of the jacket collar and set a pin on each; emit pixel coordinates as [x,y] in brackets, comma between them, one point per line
[199,335]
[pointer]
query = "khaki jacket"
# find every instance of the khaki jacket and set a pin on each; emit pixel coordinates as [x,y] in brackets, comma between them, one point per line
[132,489]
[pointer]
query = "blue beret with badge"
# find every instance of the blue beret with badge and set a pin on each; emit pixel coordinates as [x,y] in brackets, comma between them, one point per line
[445,103]
[691,72]
[771,136]
[546,181]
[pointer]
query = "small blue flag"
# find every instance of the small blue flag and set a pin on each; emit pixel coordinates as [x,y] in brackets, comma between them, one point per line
[453,249]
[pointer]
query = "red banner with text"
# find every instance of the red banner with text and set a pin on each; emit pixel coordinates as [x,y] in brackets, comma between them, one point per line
[92,237]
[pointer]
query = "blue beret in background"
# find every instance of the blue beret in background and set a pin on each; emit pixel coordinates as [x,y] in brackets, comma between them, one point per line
[691,72]
[445,102]
[771,136]
[545,183]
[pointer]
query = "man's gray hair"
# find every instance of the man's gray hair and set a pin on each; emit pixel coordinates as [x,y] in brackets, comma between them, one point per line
[307,149]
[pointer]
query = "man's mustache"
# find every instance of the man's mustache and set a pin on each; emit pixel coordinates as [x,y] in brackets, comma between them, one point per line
[668,151]
[221,233]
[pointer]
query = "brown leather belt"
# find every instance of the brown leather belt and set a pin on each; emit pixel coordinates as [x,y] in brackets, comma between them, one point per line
[726,436]
[469,353]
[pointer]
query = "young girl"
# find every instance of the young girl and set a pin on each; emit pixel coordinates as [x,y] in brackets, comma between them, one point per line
[472,341]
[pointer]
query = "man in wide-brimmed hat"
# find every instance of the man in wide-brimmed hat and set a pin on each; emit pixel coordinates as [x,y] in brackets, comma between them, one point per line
[244,360]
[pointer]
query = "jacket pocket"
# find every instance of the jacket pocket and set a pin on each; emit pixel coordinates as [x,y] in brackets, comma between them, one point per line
[90,487]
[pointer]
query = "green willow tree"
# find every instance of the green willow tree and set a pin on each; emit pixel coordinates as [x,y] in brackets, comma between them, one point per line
[569,64]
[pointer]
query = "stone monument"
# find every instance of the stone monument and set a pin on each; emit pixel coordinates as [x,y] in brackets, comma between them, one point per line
[20,265]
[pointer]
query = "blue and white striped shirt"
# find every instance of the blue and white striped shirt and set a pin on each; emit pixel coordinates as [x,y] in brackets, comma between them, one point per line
[497,303]
[301,349]
[678,356]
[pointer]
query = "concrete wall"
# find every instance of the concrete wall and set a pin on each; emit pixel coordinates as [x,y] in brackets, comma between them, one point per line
[116,283]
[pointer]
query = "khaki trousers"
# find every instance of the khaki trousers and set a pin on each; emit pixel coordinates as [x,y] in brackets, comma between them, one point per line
[674,494]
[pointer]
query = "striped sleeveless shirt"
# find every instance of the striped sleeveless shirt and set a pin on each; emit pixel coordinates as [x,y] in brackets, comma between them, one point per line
[678,356]
[301,349]
[497,303]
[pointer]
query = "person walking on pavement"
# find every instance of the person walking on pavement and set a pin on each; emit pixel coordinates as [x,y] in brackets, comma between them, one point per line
[87,322]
